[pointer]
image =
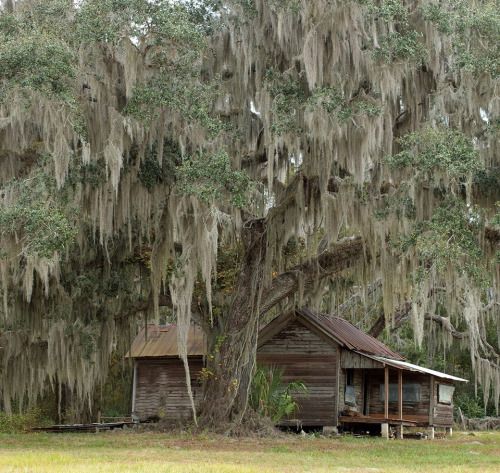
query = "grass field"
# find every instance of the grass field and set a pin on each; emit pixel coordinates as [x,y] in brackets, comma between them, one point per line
[154,452]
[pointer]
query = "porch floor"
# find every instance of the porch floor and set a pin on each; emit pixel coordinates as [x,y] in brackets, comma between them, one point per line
[407,420]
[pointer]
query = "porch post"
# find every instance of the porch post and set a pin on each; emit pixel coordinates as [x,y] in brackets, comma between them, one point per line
[400,403]
[432,397]
[400,394]
[386,388]
[134,389]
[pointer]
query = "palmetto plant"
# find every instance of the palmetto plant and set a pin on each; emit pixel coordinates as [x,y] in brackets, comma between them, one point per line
[270,396]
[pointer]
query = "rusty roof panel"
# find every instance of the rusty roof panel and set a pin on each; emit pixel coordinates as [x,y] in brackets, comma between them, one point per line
[162,341]
[348,335]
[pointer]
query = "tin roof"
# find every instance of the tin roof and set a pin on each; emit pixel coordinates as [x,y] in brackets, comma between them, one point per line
[162,341]
[420,369]
[347,334]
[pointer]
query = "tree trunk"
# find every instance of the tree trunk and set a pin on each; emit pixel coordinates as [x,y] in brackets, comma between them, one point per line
[233,342]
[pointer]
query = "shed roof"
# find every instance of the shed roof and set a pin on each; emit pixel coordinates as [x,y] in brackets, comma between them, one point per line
[347,334]
[162,341]
[420,369]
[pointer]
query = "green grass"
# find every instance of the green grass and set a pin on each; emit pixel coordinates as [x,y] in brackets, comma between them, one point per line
[154,452]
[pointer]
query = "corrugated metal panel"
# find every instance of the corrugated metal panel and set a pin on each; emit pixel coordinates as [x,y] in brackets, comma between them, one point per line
[162,341]
[348,335]
[420,369]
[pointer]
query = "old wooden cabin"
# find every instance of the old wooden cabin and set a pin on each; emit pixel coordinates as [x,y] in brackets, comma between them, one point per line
[353,380]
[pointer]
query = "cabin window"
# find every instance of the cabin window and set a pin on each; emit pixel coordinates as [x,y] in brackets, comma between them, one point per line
[411,392]
[445,393]
[349,377]
[350,395]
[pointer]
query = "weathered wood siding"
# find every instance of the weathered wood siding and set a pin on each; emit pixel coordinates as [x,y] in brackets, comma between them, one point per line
[358,382]
[350,359]
[307,357]
[374,378]
[161,388]
[359,365]
[442,413]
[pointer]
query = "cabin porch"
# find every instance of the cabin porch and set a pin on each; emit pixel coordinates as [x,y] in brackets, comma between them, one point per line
[383,397]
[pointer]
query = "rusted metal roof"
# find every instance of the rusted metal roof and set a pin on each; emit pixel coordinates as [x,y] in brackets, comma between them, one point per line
[347,334]
[162,341]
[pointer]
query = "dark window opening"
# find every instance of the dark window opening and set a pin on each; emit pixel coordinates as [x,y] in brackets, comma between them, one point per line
[411,392]
[350,394]
[349,377]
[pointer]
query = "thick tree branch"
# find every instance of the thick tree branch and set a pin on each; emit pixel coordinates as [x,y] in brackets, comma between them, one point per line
[400,316]
[344,255]
[446,325]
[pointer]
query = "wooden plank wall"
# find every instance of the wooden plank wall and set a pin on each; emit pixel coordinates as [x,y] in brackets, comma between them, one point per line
[374,378]
[307,357]
[358,391]
[161,388]
[350,359]
[443,413]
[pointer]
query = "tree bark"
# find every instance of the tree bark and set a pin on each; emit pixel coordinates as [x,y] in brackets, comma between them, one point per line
[233,342]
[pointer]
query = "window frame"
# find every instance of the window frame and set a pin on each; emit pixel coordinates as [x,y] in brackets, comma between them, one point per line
[450,388]
[393,392]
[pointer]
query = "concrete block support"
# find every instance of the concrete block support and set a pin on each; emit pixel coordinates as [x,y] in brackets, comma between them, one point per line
[431,433]
[385,431]
[330,430]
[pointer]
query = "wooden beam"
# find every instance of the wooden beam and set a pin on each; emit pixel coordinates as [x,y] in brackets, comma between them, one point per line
[400,394]
[134,387]
[338,374]
[432,390]
[386,389]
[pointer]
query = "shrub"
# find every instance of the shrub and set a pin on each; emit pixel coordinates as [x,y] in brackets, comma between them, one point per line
[14,423]
[270,397]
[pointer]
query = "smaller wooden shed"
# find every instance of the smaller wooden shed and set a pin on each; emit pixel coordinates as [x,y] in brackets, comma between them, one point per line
[159,384]
[353,380]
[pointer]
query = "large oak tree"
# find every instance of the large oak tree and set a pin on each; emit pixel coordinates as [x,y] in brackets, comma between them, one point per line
[227,160]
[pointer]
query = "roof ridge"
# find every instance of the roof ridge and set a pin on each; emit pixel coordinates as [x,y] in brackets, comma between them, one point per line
[350,336]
